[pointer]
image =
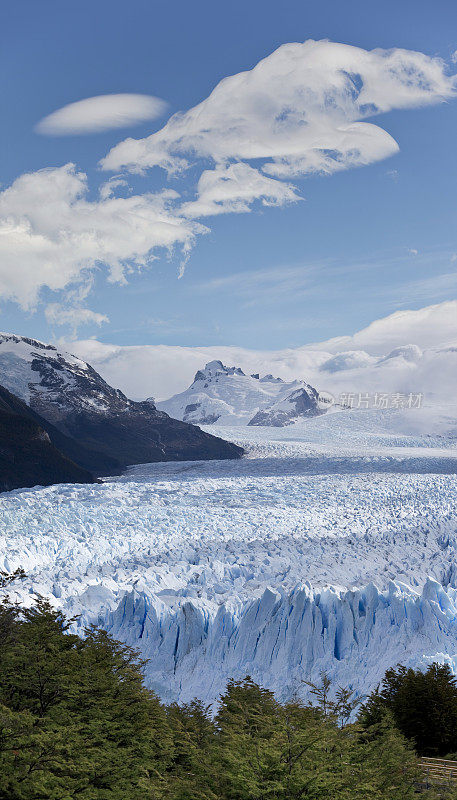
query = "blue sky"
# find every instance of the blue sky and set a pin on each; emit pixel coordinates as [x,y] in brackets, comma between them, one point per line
[360,244]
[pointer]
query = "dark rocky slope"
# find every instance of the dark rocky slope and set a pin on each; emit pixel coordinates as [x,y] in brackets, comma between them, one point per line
[27,455]
[109,431]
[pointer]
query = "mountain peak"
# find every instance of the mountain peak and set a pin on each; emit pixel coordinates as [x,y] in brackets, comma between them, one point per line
[16,339]
[271,379]
[80,404]
[213,369]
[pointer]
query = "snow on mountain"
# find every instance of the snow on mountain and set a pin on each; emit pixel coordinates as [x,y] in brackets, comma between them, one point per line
[218,569]
[298,404]
[164,370]
[44,377]
[113,430]
[227,396]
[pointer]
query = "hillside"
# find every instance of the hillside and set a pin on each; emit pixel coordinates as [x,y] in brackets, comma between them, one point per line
[27,455]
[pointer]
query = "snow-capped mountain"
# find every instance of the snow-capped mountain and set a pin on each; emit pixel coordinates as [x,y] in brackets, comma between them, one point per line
[52,382]
[302,402]
[113,430]
[229,397]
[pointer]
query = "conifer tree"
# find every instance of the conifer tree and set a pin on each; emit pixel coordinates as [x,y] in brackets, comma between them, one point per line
[195,760]
[423,705]
[248,729]
[76,719]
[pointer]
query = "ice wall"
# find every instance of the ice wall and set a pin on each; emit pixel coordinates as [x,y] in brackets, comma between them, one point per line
[283,639]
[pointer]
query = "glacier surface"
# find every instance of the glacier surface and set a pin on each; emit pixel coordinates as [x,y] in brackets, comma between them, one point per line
[332,545]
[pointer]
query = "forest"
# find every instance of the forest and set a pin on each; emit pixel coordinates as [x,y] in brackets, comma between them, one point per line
[77,721]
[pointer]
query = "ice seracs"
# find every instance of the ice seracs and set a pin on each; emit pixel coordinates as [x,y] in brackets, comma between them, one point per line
[283,639]
[229,397]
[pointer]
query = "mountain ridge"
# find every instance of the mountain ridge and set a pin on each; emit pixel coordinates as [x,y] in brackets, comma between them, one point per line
[111,431]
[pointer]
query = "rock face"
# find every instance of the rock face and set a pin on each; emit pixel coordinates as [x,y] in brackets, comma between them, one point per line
[27,455]
[298,404]
[110,430]
[229,397]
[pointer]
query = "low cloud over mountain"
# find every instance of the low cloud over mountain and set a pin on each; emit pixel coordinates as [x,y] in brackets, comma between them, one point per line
[406,351]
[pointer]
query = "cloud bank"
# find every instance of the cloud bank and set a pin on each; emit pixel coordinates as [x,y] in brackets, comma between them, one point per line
[102,113]
[52,235]
[425,327]
[404,352]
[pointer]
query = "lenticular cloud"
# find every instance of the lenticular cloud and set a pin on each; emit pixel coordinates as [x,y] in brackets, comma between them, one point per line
[102,113]
[301,109]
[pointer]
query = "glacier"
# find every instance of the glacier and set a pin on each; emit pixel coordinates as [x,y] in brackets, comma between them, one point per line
[331,546]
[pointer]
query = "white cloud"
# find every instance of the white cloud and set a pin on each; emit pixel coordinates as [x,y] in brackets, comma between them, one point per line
[412,251]
[52,235]
[233,188]
[426,327]
[161,370]
[108,188]
[301,110]
[102,113]
[57,314]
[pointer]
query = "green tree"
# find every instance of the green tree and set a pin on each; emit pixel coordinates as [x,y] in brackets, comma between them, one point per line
[423,706]
[77,722]
[195,756]
[339,704]
[248,728]
[76,719]
[384,762]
